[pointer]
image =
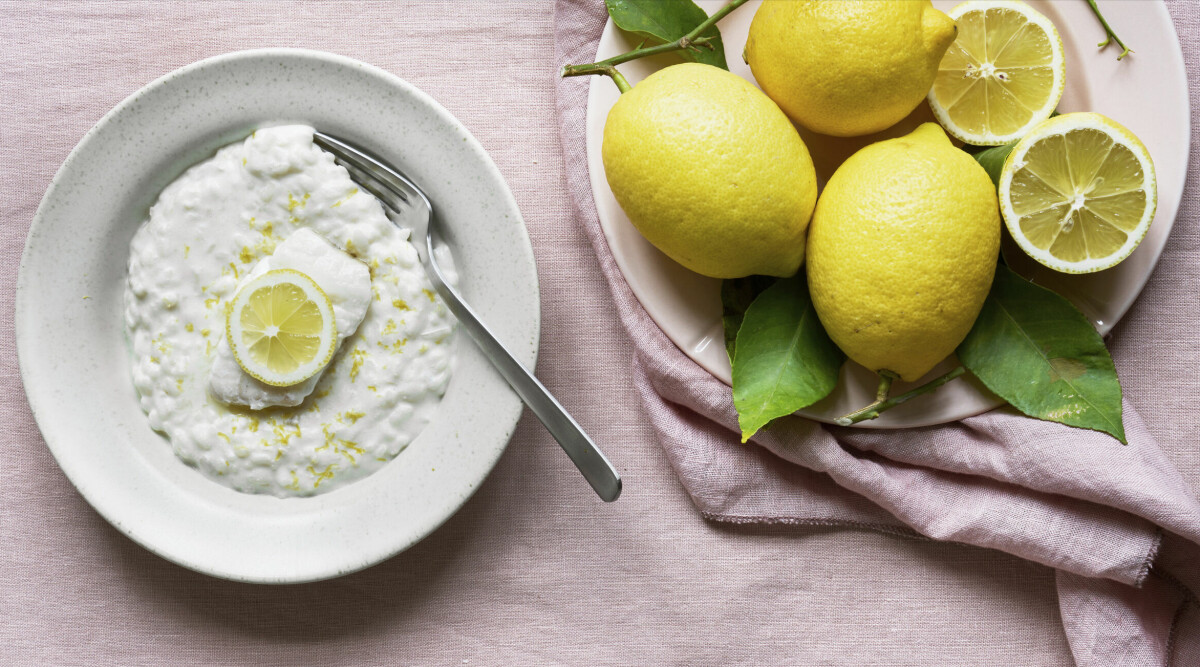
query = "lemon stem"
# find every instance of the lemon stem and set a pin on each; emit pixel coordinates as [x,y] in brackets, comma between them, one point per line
[692,41]
[886,378]
[1110,35]
[883,403]
[619,79]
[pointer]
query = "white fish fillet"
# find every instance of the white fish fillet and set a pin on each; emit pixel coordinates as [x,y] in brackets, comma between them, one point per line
[344,279]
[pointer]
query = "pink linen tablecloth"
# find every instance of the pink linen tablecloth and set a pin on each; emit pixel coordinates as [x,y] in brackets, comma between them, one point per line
[534,569]
[1119,524]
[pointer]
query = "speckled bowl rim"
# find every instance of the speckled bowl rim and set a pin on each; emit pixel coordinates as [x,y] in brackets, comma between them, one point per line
[367,519]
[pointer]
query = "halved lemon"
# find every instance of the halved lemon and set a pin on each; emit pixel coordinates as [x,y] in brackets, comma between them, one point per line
[1003,74]
[281,328]
[1078,192]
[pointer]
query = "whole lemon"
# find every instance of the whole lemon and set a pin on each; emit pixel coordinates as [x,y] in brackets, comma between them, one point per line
[847,67]
[711,172]
[902,251]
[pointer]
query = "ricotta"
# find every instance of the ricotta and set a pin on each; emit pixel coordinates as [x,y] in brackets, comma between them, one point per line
[252,206]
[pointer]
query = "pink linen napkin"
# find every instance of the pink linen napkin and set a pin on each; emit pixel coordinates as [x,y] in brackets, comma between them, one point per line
[1119,524]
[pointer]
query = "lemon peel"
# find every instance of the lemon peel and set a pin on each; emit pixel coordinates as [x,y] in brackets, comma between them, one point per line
[902,251]
[711,172]
[847,67]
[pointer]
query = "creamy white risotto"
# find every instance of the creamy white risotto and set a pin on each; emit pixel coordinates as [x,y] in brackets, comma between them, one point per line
[205,234]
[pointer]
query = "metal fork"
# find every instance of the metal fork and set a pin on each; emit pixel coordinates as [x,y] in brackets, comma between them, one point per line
[394,189]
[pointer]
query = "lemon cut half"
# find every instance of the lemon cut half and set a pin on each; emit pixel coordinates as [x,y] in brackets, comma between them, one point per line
[1078,193]
[281,328]
[1003,74]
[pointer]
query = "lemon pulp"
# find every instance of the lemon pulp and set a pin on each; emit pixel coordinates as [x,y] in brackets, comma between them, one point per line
[281,328]
[1078,194]
[1003,74]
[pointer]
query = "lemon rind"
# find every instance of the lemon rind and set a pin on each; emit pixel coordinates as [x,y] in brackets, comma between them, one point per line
[1060,125]
[311,289]
[1058,65]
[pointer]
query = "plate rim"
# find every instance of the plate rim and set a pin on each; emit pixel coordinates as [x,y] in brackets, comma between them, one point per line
[24,314]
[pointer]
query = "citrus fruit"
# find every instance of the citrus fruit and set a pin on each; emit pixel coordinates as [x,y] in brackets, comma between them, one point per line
[711,172]
[902,250]
[1003,75]
[281,328]
[1078,192]
[847,67]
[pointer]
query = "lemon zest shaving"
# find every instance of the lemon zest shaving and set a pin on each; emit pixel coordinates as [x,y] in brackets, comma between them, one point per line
[345,199]
[325,474]
[359,355]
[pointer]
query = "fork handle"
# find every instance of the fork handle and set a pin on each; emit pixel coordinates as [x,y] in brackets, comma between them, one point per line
[592,462]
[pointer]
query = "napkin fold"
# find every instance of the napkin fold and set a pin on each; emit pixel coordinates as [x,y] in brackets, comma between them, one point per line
[1119,524]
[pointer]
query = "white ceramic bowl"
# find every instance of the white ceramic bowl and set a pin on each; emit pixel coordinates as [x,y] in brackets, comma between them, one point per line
[75,362]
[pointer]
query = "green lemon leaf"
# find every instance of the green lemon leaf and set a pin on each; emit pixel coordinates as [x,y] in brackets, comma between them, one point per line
[1035,350]
[662,21]
[736,296]
[992,159]
[784,360]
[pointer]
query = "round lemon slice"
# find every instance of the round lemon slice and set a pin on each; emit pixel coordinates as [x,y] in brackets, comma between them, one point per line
[1078,192]
[281,328]
[1003,74]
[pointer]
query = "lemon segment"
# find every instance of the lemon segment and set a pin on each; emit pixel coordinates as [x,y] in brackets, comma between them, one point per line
[281,328]
[1078,193]
[1003,74]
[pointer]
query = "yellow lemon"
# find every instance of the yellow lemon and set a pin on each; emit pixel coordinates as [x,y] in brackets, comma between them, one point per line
[1002,76]
[1078,192]
[902,251]
[711,172]
[847,67]
[281,328]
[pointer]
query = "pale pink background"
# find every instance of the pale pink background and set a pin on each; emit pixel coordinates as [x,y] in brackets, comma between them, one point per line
[534,569]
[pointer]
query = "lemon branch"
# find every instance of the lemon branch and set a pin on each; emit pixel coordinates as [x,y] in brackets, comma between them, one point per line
[691,41]
[1110,35]
[883,403]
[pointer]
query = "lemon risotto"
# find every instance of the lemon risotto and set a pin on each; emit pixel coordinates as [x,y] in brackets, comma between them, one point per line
[216,228]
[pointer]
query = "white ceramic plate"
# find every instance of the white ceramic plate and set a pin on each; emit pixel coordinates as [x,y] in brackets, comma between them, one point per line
[1147,92]
[73,355]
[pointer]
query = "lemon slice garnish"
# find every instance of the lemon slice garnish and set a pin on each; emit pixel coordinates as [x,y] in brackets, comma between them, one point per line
[281,328]
[1003,74]
[1078,192]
